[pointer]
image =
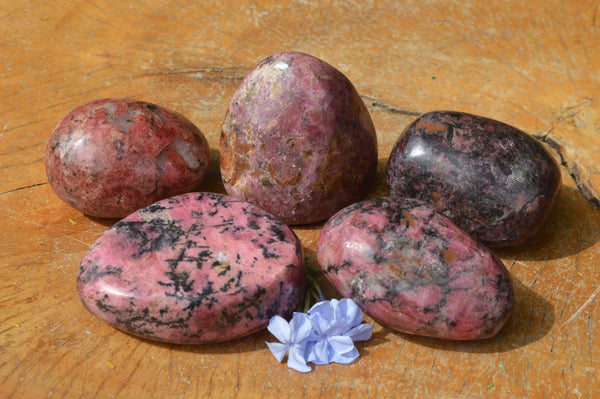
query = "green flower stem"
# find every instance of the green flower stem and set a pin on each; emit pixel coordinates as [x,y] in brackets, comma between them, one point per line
[313,291]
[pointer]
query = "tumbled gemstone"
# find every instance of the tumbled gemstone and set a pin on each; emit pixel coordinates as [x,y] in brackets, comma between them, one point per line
[410,268]
[196,268]
[494,181]
[113,156]
[297,140]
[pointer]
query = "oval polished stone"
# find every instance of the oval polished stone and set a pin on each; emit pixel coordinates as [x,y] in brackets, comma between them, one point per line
[494,181]
[110,157]
[413,270]
[196,268]
[297,140]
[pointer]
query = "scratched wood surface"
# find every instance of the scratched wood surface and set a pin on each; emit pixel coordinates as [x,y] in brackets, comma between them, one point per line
[533,64]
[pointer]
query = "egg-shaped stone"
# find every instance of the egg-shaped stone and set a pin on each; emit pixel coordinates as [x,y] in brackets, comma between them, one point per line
[493,180]
[192,269]
[413,270]
[112,156]
[297,140]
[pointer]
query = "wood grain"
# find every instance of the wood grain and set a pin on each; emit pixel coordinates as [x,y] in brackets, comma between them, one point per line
[531,64]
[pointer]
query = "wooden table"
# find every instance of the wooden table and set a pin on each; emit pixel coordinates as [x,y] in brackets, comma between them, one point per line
[533,64]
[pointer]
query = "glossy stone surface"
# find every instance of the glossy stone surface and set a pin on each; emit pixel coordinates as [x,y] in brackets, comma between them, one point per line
[493,180]
[110,157]
[196,268]
[410,268]
[297,140]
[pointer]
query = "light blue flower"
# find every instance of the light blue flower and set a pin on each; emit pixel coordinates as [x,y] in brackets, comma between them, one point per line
[335,327]
[293,340]
[326,334]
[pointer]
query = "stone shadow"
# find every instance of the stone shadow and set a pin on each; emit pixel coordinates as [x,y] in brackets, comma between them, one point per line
[532,318]
[573,226]
[212,183]
[250,343]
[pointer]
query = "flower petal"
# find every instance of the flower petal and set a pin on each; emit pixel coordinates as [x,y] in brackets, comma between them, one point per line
[296,358]
[278,350]
[341,343]
[280,329]
[346,358]
[300,327]
[337,327]
[320,326]
[349,311]
[318,352]
[324,308]
[361,332]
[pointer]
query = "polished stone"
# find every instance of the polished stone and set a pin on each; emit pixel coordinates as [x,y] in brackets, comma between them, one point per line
[413,270]
[297,140]
[112,156]
[494,181]
[196,268]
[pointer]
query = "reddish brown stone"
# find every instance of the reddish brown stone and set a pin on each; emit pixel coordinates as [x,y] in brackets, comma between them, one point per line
[111,157]
[297,140]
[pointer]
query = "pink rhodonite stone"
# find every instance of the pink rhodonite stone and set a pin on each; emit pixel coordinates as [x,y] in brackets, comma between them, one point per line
[409,267]
[297,140]
[196,268]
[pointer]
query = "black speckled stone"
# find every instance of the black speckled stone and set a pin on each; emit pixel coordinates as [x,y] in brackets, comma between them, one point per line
[493,180]
[413,270]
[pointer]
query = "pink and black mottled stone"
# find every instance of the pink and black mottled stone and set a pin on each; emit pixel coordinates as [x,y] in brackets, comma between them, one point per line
[494,181]
[112,156]
[413,270]
[297,140]
[193,269]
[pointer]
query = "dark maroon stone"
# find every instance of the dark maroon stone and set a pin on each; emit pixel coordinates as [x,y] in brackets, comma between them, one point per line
[493,180]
